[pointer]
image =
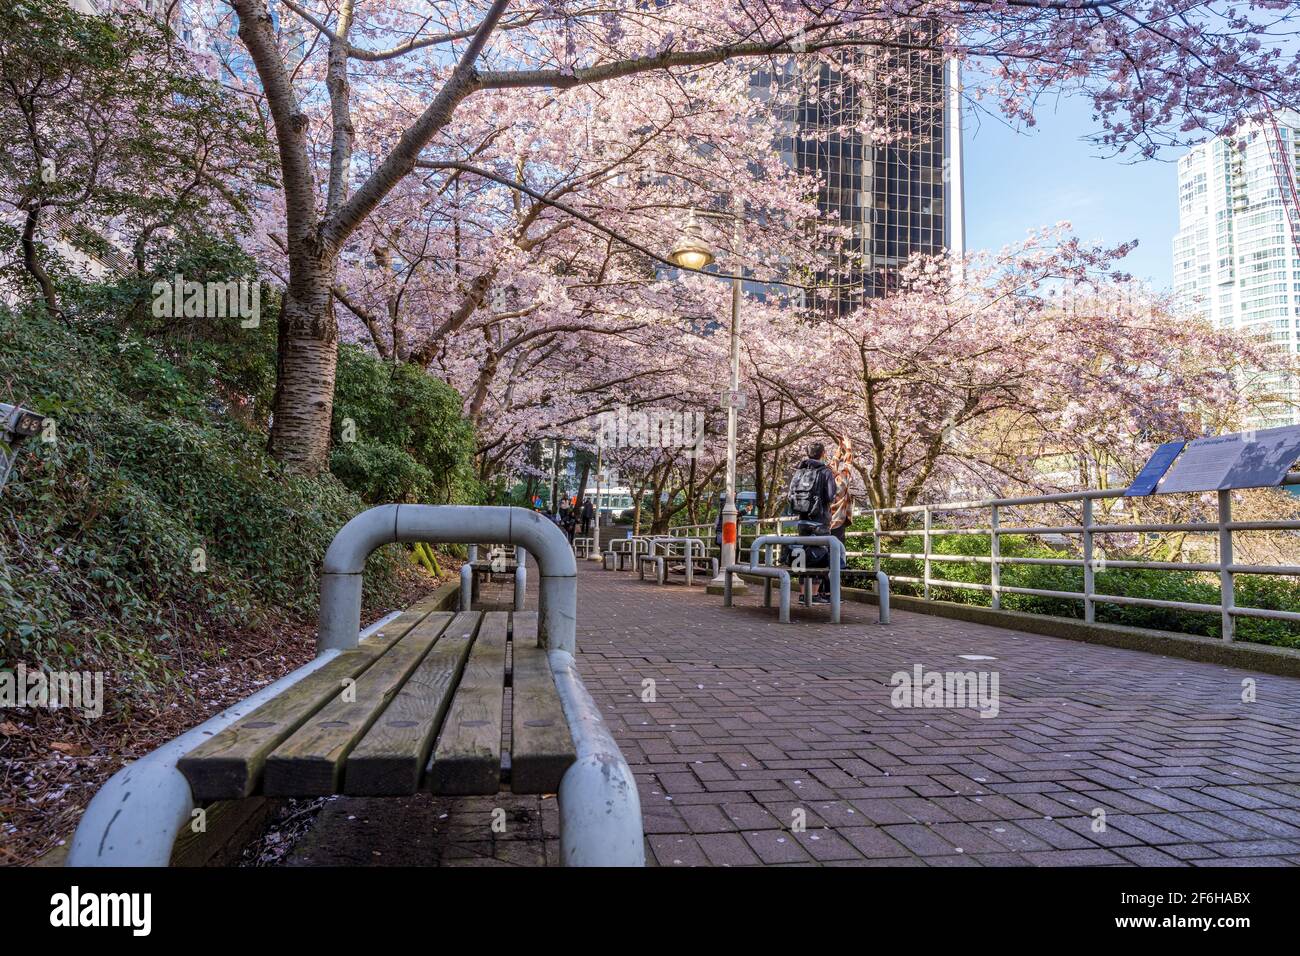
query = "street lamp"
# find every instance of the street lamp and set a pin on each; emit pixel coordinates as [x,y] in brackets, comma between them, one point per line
[690,251]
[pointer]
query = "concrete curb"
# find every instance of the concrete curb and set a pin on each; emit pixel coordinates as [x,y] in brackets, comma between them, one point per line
[1283,661]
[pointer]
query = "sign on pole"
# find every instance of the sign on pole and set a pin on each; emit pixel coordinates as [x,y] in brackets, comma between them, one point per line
[1254,459]
[1149,477]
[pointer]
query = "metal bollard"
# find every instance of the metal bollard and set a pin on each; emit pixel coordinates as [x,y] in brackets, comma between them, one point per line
[882,596]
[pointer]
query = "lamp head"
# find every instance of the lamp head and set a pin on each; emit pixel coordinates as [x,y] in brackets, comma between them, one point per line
[690,251]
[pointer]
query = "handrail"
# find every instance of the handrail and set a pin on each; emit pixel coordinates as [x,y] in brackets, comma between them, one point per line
[1087,530]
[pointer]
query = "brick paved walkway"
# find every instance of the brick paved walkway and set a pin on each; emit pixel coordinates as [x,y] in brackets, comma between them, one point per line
[755,725]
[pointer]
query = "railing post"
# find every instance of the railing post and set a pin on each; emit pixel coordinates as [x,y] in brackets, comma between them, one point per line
[929,518]
[1089,607]
[995,554]
[1227,588]
[875,536]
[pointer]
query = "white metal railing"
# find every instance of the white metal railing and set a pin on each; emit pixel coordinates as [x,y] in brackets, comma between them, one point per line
[1087,530]
[744,529]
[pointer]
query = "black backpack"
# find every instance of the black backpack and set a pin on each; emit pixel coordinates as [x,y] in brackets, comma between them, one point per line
[803,490]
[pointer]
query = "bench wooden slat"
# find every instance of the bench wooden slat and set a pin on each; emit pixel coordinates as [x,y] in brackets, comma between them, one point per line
[541,747]
[392,755]
[309,763]
[228,766]
[467,757]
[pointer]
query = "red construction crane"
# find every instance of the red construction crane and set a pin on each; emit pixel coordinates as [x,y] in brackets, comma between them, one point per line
[1284,171]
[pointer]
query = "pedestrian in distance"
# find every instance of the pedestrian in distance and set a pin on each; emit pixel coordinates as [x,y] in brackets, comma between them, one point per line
[812,489]
[841,511]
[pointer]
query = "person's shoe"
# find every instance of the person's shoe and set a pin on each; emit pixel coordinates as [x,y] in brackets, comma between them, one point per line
[803,601]
[821,599]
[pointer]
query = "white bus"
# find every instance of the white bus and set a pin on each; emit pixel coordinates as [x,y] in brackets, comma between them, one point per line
[614,501]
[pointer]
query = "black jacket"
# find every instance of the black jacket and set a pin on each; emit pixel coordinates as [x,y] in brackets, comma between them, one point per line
[824,492]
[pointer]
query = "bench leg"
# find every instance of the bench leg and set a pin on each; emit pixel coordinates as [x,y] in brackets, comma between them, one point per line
[600,810]
[835,594]
[785,599]
[521,586]
[767,592]
[661,571]
[466,586]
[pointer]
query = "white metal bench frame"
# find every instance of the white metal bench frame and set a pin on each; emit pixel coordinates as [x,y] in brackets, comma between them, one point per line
[468,572]
[772,572]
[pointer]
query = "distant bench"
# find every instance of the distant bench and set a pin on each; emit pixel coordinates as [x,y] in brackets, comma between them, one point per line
[782,574]
[624,551]
[501,559]
[676,555]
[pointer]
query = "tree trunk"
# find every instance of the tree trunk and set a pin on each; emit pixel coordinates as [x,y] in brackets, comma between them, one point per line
[308,360]
[582,482]
[32,263]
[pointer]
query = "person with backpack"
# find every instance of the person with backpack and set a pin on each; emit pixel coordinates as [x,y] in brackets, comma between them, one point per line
[588,513]
[812,489]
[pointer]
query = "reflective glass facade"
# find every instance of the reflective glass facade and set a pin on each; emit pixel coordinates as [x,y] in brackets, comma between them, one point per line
[894,194]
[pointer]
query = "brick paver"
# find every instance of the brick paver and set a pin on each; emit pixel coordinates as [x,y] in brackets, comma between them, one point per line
[754,727]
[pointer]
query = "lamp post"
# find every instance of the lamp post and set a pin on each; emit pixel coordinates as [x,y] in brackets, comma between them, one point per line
[595,551]
[692,252]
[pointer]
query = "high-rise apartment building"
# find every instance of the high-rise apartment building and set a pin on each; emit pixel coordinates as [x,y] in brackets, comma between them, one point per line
[1236,257]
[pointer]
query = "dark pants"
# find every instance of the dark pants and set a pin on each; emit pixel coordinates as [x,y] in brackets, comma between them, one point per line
[824,586]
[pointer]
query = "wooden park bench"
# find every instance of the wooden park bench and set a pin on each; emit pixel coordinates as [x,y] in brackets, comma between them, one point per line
[424,712]
[623,552]
[676,555]
[415,703]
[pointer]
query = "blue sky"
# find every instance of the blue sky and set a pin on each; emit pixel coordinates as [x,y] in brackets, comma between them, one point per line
[1022,179]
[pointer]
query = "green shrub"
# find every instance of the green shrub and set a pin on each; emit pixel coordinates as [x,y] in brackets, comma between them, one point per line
[101,528]
[400,434]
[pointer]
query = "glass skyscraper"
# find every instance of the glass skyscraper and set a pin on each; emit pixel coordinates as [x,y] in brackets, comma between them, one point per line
[895,197]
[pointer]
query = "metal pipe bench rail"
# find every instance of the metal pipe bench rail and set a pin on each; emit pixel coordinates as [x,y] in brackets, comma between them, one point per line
[782,574]
[665,556]
[135,818]
[1087,529]
[473,568]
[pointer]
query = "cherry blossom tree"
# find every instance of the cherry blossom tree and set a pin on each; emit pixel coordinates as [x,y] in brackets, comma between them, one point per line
[110,128]
[1042,356]
[1158,72]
